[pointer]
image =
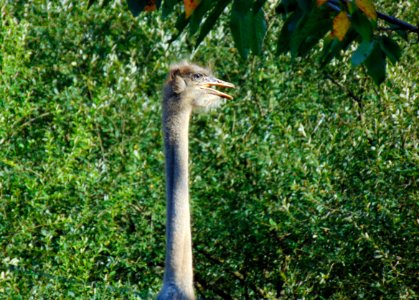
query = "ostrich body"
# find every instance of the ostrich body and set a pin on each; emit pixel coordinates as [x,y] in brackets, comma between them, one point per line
[188,88]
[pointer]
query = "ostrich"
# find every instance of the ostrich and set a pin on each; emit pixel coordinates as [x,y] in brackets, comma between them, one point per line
[188,88]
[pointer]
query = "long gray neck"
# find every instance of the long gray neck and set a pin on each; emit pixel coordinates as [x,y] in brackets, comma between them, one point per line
[178,275]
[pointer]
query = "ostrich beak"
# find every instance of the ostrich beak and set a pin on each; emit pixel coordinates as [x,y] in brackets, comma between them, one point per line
[212,81]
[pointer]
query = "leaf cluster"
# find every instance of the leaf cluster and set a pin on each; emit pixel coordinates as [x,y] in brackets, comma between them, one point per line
[337,24]
[298,190]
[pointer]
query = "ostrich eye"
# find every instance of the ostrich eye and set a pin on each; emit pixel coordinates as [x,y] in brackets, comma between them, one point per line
[197,76]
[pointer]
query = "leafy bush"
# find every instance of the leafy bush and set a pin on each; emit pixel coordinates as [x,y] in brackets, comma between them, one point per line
[302,187]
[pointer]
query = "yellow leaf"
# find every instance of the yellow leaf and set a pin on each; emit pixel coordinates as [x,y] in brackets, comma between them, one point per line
[150,6]
[341,25]
[367,7]
[321,2]
[190,6]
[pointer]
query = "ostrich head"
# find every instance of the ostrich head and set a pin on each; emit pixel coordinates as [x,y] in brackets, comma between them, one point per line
[191,88]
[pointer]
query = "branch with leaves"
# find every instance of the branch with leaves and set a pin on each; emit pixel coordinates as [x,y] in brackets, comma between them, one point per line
[349,22]
[339,23]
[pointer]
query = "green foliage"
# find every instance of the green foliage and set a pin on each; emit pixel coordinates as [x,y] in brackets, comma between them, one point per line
[136,6]
[70,154]
[362,52]
[247,27]
[168,7]
[390,48]
[362,25]
[301,187]
[376,64]
[307,22]
[210,21]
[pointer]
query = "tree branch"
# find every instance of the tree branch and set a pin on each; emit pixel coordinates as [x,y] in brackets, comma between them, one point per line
[402,24]
[334,4]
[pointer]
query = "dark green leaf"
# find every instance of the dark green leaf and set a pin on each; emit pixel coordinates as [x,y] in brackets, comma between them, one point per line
[90,3]
[210,20]
[297,37]
[310,29]
[136,6]
[362,25]
[258,28]
[287,31]
[376,64]
[286,7]
[362,52]
[402,34]
[350,36]
[331,48]
[196,18]
[106,2]
[240,25]
[305,5]
[351,7]
[248,28]
[258,5]
[390,48]
[168,6]
[180,25]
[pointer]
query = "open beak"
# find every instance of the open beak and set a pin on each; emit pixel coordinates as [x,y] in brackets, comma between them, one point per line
[212,81]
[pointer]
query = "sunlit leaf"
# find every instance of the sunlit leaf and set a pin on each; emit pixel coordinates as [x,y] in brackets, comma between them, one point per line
[367,7]
[341,25]
[190,6]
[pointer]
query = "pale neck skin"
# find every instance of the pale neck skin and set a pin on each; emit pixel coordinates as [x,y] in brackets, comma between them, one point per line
[178,275]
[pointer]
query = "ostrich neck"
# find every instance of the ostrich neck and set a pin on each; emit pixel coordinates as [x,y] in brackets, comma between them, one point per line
[178,265]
